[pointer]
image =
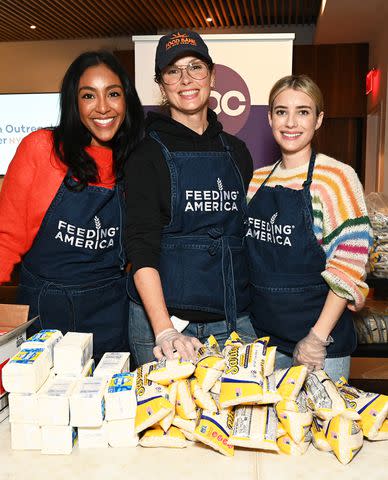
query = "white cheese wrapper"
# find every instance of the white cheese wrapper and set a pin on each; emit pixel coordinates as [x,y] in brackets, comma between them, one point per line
[112,363]
[58,440]
[27,371]
[87,404]
[72,353]
[26,436]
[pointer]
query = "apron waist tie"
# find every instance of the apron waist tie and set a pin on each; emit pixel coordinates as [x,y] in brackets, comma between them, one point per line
[43,291]
[230,307]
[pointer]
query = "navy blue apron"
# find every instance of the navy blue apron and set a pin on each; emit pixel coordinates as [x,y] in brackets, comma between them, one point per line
[203,263]
[73,277]
[286,262]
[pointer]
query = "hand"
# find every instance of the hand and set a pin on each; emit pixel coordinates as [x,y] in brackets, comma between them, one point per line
[311,351]
[169,340]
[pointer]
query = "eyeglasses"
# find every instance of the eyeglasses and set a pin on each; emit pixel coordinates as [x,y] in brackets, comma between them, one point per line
[173,73]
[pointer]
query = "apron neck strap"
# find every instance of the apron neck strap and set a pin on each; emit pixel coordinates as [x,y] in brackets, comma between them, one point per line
[270,173]
[307,182]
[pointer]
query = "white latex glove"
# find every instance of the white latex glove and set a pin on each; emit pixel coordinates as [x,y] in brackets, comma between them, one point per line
[311,351]
[170,340]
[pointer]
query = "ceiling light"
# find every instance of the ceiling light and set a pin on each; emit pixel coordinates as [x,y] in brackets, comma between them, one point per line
[32,27]
[209,19]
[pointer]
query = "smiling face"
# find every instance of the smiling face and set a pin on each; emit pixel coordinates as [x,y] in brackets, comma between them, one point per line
[101,103]
[188,96]
[294,120]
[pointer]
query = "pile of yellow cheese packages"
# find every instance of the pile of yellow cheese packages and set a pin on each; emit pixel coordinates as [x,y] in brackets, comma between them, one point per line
[237,399]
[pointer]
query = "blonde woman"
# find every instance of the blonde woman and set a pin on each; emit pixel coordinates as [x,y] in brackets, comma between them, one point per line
[308,239]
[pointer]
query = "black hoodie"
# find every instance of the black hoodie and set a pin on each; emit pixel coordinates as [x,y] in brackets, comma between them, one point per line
[147,181]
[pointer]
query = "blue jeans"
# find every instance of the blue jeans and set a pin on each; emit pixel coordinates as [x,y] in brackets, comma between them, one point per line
[142,339]
[335,367]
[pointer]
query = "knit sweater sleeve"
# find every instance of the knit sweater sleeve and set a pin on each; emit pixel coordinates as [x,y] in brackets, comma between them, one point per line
[341,225]
[28,189]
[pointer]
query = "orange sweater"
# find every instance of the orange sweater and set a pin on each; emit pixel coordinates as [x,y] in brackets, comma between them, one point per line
[30,185]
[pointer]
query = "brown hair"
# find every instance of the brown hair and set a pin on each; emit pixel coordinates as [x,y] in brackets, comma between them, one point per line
[304,84]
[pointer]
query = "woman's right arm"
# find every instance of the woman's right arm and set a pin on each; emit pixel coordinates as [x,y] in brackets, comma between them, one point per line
[14,201]
[32,180]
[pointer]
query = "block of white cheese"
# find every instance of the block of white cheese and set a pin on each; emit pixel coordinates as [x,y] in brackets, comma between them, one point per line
[58,440]
[87,371]
[112,363]
[53,402]
[87,404]
[120,397]
[26,371]
[121,433]
[23,407]
[93,437]
[43,339]
[25,436]
[72,353]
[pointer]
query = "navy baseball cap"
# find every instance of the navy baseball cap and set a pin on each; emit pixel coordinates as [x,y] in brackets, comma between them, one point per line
[177,44]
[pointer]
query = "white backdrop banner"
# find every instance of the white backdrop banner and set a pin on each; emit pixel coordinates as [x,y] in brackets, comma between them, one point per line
[247,66]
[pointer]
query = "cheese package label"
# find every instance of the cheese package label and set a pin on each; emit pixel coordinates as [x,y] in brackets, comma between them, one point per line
[54,402]
[120,397]
[255,426]
[112,363]
[26,371]
[44,339]
[87,404]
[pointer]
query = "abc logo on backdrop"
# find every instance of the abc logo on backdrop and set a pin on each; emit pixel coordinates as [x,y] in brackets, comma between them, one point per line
[230,99]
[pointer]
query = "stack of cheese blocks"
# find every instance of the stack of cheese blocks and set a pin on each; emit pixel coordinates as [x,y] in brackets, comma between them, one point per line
[237,399]
[54,399]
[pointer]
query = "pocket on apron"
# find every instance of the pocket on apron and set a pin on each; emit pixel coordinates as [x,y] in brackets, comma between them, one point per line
[286,314]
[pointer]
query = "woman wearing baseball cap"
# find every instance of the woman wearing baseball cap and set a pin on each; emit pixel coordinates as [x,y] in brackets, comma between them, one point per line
[186,211]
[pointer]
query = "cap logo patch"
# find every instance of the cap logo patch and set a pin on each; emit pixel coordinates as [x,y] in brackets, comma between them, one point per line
[180,39]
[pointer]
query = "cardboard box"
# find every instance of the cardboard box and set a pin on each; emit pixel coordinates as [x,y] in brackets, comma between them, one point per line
[13,325]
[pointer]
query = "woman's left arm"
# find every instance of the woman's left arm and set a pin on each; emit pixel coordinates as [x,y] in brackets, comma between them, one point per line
[311,350]
[346,238]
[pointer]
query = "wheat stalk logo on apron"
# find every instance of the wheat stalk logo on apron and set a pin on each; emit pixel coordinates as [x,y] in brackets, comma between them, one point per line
[272,221]
[97,223]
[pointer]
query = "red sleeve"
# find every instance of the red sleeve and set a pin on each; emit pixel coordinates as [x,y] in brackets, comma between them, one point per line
[31,182]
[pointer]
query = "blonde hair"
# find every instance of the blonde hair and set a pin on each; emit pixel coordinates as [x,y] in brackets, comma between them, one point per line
[302,83]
